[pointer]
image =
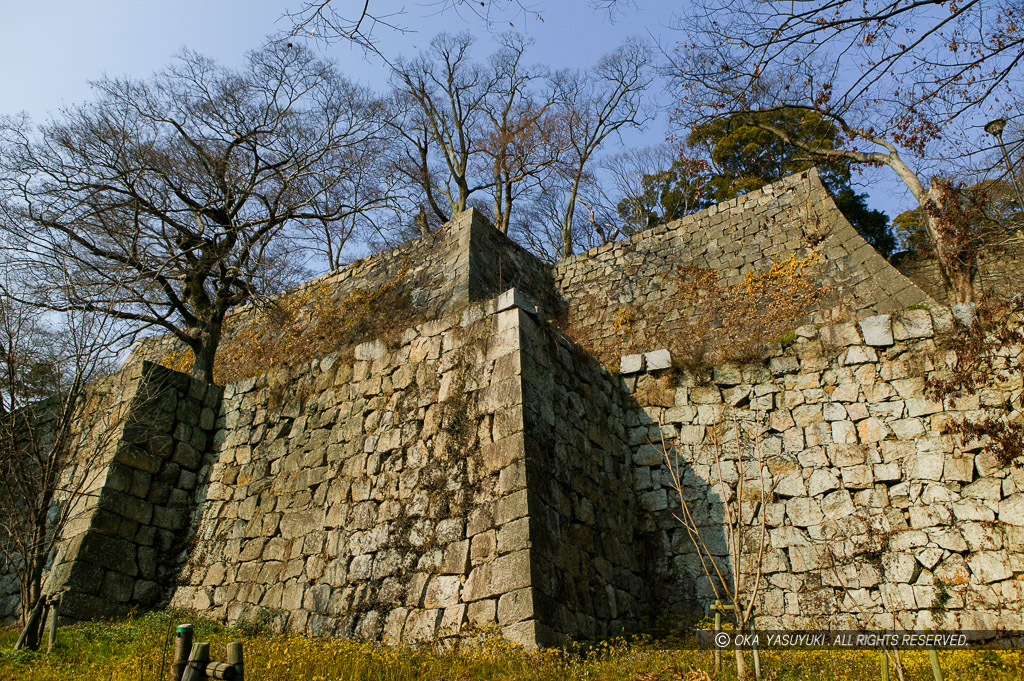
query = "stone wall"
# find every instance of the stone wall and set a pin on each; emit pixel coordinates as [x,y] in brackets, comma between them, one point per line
[999,270]
[465,261]
[497,264]
[482,470]
[875,509]
[587,556]
[791,218]
[382,497]
[9,594]
[124,544]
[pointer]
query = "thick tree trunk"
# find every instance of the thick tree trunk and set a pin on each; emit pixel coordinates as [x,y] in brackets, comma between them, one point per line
[463,200]
[570,212]
[506,214]
[957,259]
[741,665]
[205,352]
[958,262]
[422,225]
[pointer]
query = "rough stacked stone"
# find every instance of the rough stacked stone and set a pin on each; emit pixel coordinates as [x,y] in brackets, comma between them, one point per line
[123,543]
[588,570]
[378,495]
[998,268]
[482,471]
[792,217]
[875,507]
[9,593]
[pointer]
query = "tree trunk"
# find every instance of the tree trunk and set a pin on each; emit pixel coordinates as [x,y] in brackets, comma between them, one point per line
[506,214]
[422,225]
[741,665]
[205,352]
[570,211]
[29,637]
[958,263]
[959,270]
[463,200]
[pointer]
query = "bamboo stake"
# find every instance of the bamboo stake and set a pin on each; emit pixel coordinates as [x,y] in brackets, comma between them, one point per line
[933,656]
[182,647]
[718,628]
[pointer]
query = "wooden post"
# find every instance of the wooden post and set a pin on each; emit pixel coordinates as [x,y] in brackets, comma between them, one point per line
[718,627]
[933,656]
[197,661]
[220,670]
[54,614]
[235,658]
[757,655]
[182,646]
[719,609]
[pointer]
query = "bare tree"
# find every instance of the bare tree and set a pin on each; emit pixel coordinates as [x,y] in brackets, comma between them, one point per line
[628,197]
[368,198]
[594,105]
[46,366]
[358,21]
[904,83]
[736,458]
[165,199]
[446,95]
[523,141]
[923,63]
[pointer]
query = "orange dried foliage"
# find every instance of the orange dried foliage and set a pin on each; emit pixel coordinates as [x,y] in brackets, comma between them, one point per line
[302,326]
[715,322]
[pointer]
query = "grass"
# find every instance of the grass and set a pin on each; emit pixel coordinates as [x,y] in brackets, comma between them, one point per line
[132,650]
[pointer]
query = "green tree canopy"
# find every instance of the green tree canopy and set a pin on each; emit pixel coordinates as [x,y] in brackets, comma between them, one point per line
[740,155]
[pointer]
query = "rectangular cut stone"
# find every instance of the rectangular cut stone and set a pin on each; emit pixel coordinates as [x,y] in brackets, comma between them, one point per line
[920,406]
[840,334]
[515,298]
[913,324]
[631,364]
[658,360]
[858,354]
[877,330]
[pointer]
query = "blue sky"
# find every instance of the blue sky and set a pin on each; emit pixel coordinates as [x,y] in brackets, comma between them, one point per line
[51,50]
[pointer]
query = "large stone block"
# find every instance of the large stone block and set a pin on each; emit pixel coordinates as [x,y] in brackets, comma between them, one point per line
[659,360]
[631,364]
[877,330]
[515,606]
[911,324]
[989,566]
[1011,510]
[442,591]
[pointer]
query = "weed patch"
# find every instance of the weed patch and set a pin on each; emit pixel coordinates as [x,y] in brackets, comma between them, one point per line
[303,325]
[132,649]
[703,321]
[988,353]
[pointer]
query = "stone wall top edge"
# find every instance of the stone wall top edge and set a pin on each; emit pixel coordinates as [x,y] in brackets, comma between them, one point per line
[361,265]
[809,177]
[467,316]
[914,324]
